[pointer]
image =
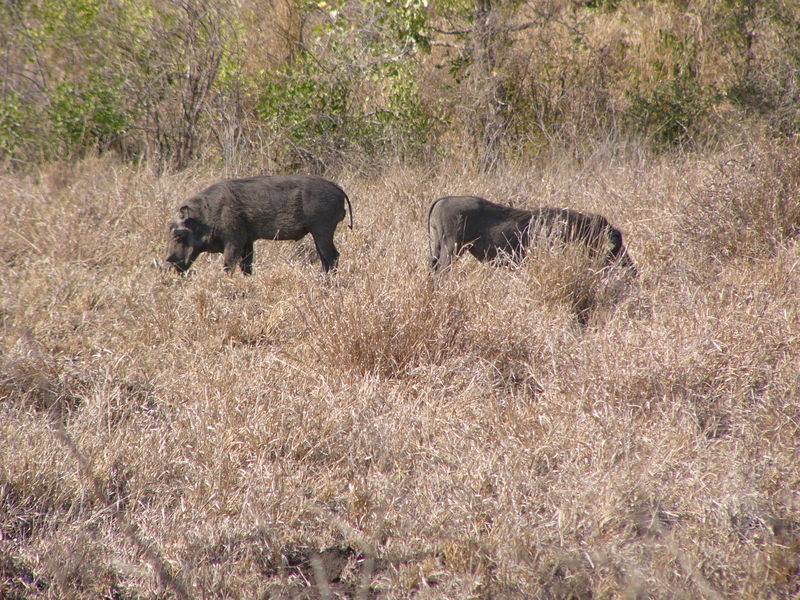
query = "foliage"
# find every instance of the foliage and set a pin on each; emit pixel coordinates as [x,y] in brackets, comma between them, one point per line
[84,74]
[670,113]
[354,89]
[308,112]
[604,4]
[340,81]
[12,117]
[89,115]
[768,66]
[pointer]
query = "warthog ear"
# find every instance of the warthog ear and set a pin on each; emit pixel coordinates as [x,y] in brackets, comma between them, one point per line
[185,212]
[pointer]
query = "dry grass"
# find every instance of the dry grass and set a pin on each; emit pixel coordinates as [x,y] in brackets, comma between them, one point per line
[379,436]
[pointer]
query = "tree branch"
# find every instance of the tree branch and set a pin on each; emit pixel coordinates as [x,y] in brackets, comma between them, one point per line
[446,45]
[452,32]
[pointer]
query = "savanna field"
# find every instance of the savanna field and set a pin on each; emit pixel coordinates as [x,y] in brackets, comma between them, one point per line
[552,430]
[465,440]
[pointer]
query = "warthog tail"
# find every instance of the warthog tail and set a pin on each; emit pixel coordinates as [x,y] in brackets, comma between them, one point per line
[430,246]
[349,209]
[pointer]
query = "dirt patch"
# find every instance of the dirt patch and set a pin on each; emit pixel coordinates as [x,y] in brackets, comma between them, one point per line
[17,580]
[337,572]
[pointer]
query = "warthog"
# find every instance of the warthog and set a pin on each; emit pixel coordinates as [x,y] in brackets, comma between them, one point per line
[232,214]
[493,232]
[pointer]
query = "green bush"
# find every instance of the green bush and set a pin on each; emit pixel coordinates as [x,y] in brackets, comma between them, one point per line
[347,77]
[671,113]
[12,115]
[305,110]
[323,112]
[768,64]
[88,115]
[81,73]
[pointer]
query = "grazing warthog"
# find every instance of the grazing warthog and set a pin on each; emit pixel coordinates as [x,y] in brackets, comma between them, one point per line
[230,215]
[495,232]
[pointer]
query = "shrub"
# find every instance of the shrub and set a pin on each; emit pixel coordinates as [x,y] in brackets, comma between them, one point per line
[89,115]
[354,90]
[306,111]
[12,115]
[749,208]
[672,112]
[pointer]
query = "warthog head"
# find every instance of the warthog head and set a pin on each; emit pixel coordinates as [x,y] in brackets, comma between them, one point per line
[188,237]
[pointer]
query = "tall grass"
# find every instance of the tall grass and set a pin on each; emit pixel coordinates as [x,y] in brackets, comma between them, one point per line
[373,434]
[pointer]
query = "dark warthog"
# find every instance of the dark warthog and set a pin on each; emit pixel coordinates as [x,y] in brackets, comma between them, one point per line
[229,216]
[495,232]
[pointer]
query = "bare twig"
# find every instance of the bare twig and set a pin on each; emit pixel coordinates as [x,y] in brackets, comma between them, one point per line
[152,555]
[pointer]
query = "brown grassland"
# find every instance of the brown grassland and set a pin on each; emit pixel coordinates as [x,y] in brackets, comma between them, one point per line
[369,434]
